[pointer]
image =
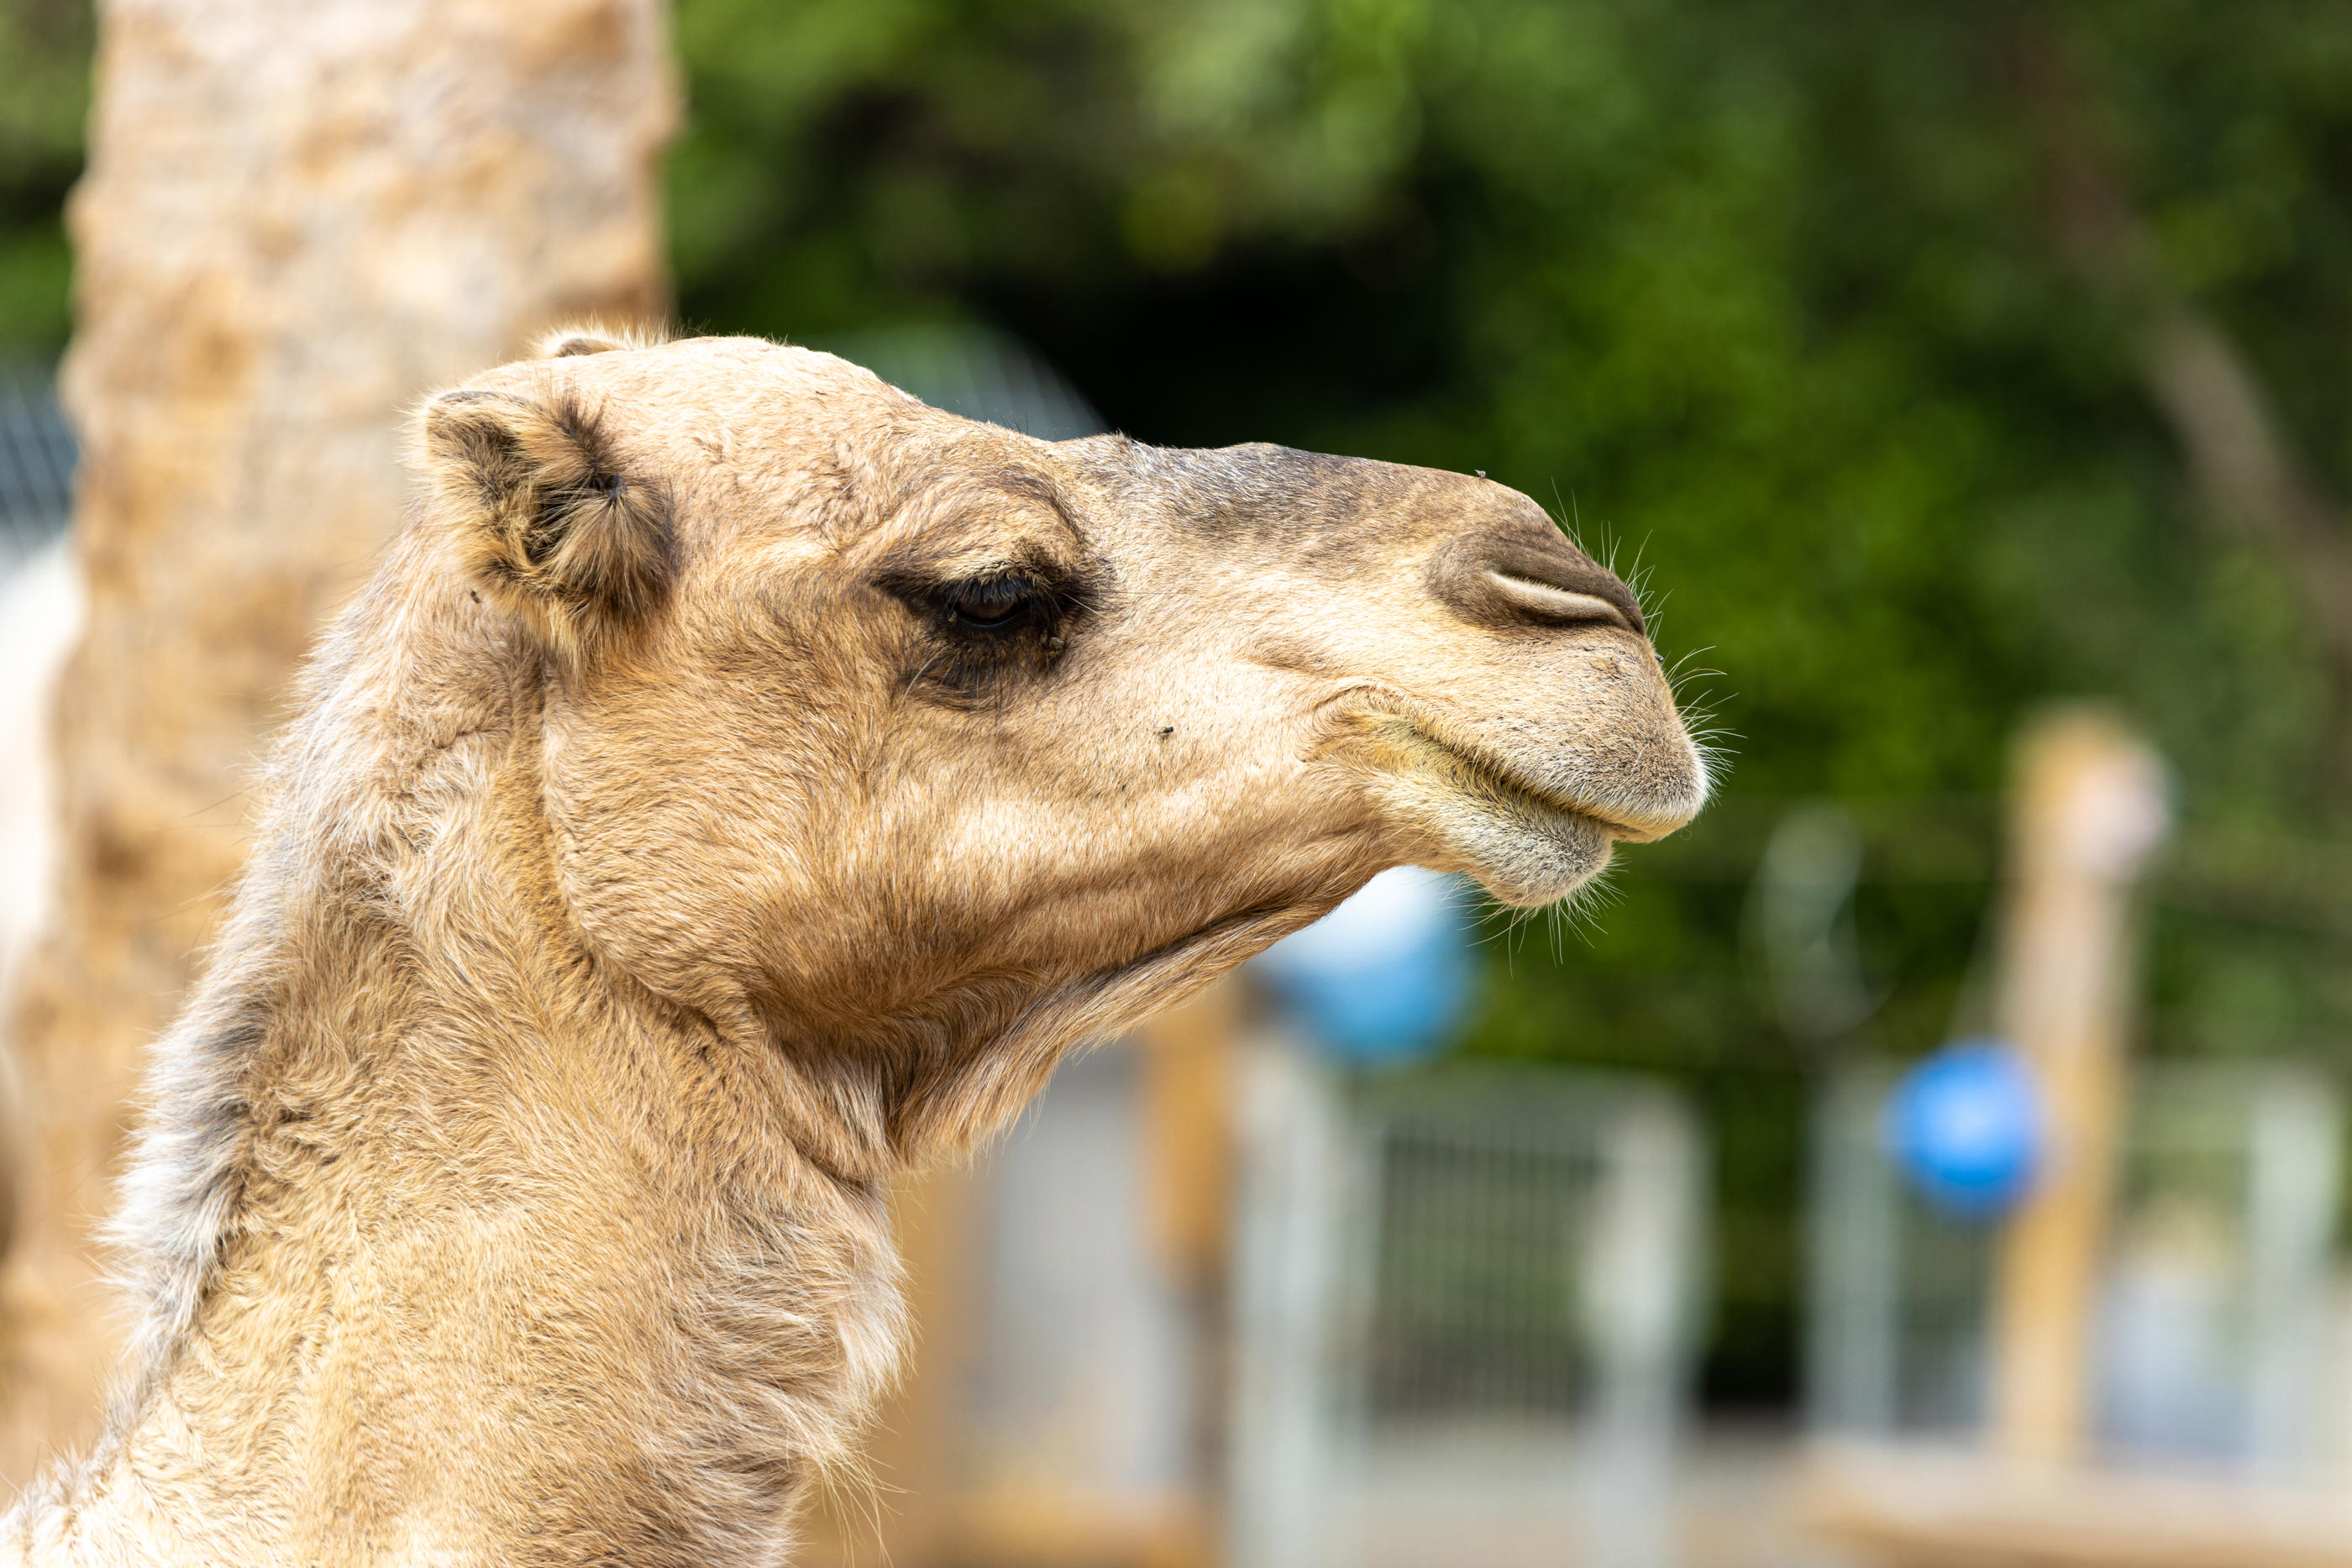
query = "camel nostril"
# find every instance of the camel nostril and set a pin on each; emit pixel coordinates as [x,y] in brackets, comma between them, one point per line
[1557,606]
[1529,578]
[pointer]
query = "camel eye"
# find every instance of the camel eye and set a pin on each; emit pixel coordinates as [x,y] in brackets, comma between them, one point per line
[998,602]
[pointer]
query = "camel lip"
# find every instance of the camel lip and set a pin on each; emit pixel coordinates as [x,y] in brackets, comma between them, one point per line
[1507,781]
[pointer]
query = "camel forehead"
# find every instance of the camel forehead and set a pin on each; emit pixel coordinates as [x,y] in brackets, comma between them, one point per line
[1305,508]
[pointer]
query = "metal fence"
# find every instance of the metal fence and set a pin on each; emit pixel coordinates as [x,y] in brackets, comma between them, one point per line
[37,460]
[1466,1304]
[2217,1340]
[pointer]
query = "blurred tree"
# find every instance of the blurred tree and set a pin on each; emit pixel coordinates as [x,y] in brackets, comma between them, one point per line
[422,186]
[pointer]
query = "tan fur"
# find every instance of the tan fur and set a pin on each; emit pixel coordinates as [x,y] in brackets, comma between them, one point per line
[665,857]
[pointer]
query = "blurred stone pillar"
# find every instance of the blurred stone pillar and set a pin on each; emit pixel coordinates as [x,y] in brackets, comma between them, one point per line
[298,216]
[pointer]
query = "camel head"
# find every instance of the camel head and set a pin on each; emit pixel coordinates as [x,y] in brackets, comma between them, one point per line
[913,739]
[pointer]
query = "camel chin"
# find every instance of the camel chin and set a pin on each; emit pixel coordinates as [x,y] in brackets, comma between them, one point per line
[1524,854]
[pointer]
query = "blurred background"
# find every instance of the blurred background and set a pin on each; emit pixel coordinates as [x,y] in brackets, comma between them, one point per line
[1927,366]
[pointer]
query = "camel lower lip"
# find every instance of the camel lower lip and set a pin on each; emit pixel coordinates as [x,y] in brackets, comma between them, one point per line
[1469,810]
[1502,782]
[1582,817]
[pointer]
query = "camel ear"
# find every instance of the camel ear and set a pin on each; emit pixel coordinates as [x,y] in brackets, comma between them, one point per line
[545,517]
[595,338]
[564,342]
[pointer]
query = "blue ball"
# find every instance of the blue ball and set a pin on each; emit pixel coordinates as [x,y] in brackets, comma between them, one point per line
[1401,1011]
[1385,979]
[1966,1126]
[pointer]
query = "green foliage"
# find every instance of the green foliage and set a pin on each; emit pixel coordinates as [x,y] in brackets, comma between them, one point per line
[45,59]
[1766,297]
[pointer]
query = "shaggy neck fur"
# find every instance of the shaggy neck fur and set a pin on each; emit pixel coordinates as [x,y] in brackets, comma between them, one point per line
[418,1282]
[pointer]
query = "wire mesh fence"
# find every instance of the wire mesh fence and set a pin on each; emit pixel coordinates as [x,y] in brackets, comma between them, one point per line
[1466,1304]
[2219,1322]
[37,457]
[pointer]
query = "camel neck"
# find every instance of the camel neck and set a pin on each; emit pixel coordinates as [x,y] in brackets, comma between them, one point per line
[458,1247]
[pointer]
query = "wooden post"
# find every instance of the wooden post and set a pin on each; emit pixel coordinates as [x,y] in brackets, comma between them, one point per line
[1191,1085]
[2089,805]
[1188,1089]
[299,216]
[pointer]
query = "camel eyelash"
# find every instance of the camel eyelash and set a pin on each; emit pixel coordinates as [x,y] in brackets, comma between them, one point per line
[1001,602]
[988,629]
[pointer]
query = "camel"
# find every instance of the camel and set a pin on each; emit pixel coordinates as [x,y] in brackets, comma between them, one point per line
[741,782]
